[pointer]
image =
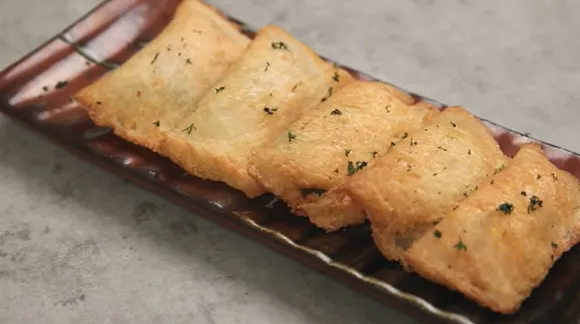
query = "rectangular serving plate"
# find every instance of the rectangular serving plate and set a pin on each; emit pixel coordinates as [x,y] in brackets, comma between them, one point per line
[36,90]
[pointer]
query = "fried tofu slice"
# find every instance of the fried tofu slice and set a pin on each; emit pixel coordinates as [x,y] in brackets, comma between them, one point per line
[413,186]
[166,78]
[501,241]
[350,130]
[275,81]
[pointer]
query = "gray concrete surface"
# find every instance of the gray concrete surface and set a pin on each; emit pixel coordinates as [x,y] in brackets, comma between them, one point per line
[80,246]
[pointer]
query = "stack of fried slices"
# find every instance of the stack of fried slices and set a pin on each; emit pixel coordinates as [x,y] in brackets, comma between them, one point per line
[269,115]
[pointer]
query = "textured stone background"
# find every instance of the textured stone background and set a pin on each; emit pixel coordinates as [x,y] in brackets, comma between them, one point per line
[80,246]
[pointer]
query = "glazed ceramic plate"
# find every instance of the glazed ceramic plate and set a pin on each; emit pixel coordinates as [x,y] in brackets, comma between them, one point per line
[36,92]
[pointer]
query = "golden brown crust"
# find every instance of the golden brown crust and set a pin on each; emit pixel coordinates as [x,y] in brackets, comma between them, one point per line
[505,250]
[268,88]
[356,125]
[150,91]
[423,177]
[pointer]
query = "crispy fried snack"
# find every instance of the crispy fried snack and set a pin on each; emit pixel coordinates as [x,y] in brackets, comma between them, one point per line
[276,80]
[423,177]
[155,87]
[348,132]
[501,241]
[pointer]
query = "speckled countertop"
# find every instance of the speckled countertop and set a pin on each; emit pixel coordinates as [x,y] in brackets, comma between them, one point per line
[78,245]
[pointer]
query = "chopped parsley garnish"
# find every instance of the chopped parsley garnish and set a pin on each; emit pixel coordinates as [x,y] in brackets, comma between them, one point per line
[218,90]
[469,152]
[280,46]
[523,193]
[267,66]
[270,111]
[437,234]
[405,135]
[353,168]
[336,76]
[329,93]
[393,144]
[336,170]
[554,177]
[535,203]
[347,152]
[413,143]
[189,129]
[291,136]
[460,246]
[45,88]
[554,245]
[157,123]
[434,174]
[188,61]
[453,124]
[506,208]
[294,87]
[441,148]
[336,112]
[375,154]
[538,176]
[388,109]
[61,84]
[155,58]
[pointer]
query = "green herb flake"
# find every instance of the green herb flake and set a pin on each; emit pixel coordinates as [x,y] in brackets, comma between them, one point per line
[188,61]
[189,129]
[453,124]
[375,154]
[294,87]
[523,193]
[291,136]
[267,66]
[328,95]
[270,111]
[554,177]
[405,135]
[61,84]
[336,76]
[535,203]
[469,152]
[413,142]
[393,144]
[437,234]
[347,152]
[388,108]
[336,112]
[155,58]
[353,168]
[460,246]
[157,123]
[280,46]
[220,89]
[506,208]
[45,88]
[554,245]
[441,148]
[538,176]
